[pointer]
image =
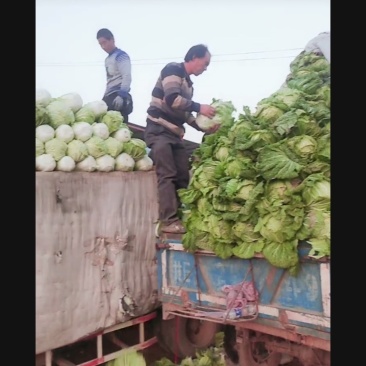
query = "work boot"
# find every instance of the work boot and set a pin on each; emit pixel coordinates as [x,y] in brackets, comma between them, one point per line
[175,227]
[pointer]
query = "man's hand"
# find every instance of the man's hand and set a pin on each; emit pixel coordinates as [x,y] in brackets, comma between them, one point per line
[207,110]
[118,103]
[212,129]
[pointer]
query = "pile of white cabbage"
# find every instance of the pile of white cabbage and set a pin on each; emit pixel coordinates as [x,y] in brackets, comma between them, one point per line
[261,183]
[72,136]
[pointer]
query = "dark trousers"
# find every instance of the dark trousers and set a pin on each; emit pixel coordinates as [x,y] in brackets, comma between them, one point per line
[172,169]
[109,101]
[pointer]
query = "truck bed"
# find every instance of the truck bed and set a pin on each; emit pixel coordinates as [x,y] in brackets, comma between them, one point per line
[192,282]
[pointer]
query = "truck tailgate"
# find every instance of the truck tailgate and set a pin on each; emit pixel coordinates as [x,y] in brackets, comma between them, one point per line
[193,281]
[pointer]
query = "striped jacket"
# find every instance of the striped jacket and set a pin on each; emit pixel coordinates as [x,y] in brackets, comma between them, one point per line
[171,104]
[118,68]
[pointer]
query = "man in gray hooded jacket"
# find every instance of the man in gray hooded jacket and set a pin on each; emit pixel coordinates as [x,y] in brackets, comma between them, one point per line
[118,68]
[320,45]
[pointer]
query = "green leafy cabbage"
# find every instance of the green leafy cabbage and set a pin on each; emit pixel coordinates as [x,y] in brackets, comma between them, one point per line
[85,114]
[136,148]
[113,119]
[224,111]
[59,113]
[77,150]
[41,115]
[114,147]
[96,147]
[56,148]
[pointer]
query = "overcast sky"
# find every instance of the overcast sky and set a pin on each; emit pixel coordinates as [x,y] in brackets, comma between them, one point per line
[252,43]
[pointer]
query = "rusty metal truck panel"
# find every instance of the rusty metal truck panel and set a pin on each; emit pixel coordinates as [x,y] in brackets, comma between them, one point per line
[95,254]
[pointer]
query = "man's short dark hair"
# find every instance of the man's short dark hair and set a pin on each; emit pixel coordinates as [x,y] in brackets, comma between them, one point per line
[105,33]
[198,51]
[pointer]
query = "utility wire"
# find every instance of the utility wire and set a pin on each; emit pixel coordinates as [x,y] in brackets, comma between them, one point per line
[157,63]
[92,63]
[226,54]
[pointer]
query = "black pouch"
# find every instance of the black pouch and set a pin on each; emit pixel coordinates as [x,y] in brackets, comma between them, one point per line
[127,105]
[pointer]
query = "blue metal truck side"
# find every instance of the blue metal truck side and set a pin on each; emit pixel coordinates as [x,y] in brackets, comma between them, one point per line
[293,313]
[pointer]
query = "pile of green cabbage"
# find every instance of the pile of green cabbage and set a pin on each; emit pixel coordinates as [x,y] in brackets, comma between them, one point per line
[72,136]
[261,184]
[129,357]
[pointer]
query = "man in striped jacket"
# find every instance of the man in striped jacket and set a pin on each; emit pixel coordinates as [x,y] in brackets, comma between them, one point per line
[170,108]
[118,68]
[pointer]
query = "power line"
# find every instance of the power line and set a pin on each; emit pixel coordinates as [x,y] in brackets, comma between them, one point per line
[223,54]
[157,63]
[166,58]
